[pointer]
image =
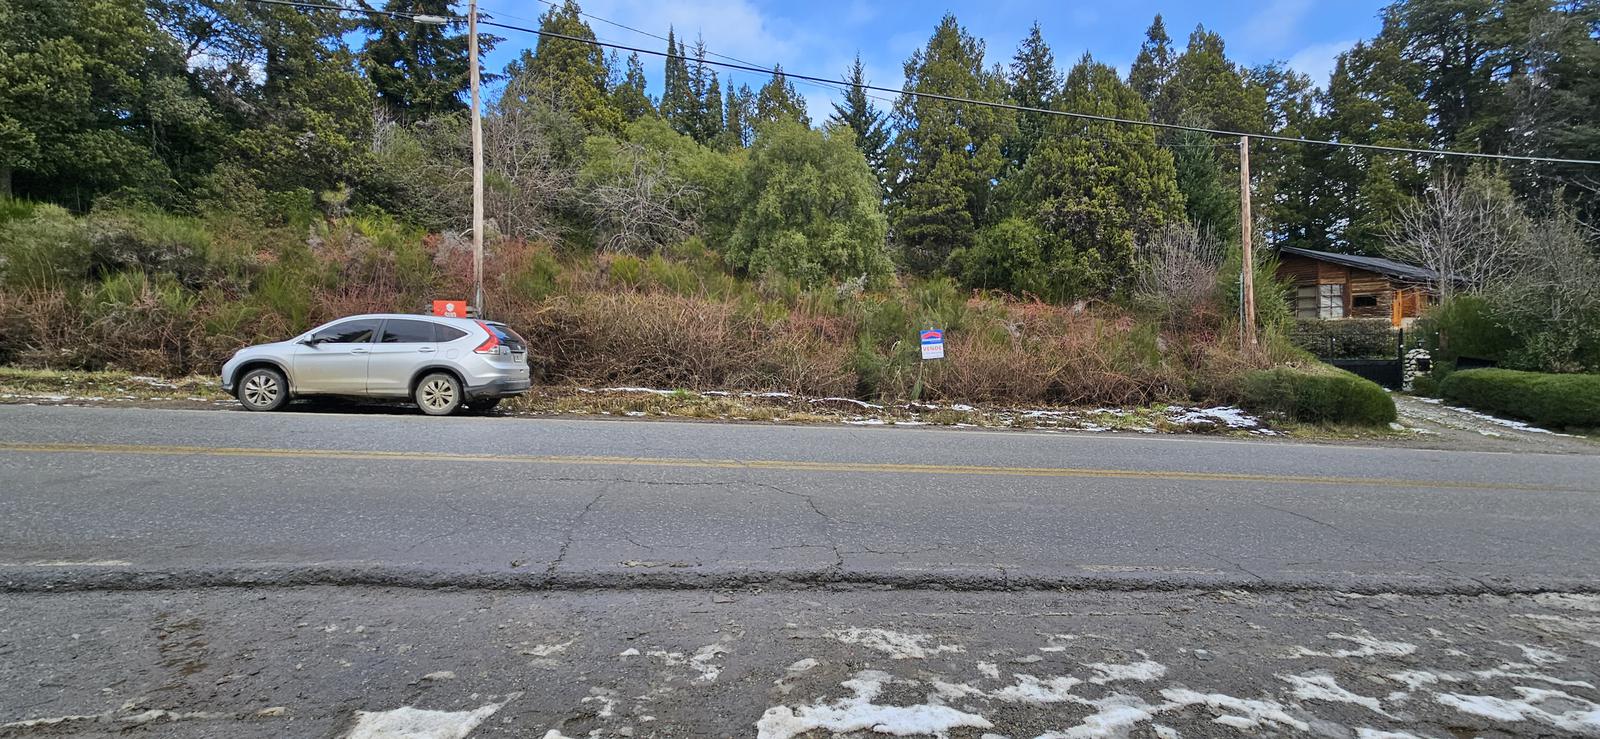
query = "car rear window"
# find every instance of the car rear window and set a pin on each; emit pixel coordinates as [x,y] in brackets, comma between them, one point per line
[447,333]
[402,331]
[508,337]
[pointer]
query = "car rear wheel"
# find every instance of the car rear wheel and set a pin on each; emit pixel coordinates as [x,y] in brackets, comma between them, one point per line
[263,389]
[439,394]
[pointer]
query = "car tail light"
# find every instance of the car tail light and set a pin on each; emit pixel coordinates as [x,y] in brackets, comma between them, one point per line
[492,345]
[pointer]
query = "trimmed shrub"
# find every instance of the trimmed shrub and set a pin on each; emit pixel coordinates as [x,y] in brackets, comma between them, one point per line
[1552,400]
[1358,338]
[1322,396]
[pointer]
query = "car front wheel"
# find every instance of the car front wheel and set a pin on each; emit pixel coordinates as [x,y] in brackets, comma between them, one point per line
[263,389]
[438,394]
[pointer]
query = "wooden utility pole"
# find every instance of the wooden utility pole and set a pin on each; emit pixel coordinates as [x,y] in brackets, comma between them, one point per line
[1248,262]
[477,161]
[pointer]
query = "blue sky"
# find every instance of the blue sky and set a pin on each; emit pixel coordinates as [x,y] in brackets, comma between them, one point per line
[822,36]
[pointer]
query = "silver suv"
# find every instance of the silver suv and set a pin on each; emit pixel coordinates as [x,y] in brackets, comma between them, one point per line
[443,364]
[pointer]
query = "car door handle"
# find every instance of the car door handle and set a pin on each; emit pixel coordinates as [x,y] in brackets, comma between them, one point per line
[424,348]
[358,350]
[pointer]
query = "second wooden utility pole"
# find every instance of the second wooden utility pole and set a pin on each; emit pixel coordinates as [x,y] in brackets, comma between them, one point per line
[477,162]
[1248,262]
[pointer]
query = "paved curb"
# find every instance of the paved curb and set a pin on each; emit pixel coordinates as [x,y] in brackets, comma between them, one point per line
[100,578]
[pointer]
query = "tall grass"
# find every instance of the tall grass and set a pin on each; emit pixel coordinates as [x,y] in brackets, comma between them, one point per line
[180,294]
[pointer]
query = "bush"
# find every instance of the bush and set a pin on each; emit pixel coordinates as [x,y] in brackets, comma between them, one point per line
[1553,400]
[1324,396]
[1365,338]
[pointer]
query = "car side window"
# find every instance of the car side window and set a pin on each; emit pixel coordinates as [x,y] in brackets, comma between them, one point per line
[349,332]
[402,331]
[447,333]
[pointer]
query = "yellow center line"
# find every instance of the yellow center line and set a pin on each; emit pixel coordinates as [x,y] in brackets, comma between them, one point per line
[762,464]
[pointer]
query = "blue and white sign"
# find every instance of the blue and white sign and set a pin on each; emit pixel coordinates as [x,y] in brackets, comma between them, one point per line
[933,344]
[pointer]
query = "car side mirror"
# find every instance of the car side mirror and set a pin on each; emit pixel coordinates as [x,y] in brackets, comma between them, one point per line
[311,341]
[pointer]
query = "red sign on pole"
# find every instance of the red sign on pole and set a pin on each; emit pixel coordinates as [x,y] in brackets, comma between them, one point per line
[450,308]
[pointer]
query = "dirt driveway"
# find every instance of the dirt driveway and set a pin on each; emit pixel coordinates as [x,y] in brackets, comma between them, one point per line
[1437,425]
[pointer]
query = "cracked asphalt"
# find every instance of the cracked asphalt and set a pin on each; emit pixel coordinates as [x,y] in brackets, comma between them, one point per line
[177,498]
[197,574]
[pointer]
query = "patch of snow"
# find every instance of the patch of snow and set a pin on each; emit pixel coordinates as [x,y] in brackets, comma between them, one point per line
[608,703]
[862,403]
[1540,656]
[1506,422]
[1367,646]
[440,675]
[632,414]
[989,670]
[962,407]
[1584,719]
[1030,689]
[1505,671]
[415,723]
[865,422]
[769,395]
[801,666]
[893,643]
[1144,671]
[651,390]
[629,652]
[1234,418]
[1165,732]
[1239,713]
[545,650]
[1114,716]
[702,662]
[1415,679]
[1574,601]
[1324,688]
[859,713]
[1365,733]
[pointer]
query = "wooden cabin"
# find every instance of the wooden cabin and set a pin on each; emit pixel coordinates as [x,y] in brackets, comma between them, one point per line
[1335,286]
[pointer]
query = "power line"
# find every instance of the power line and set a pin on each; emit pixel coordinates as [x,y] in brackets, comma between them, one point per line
[988,103]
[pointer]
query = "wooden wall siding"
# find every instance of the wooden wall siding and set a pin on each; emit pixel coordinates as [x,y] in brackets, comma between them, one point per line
[1299,270]
[1296,269]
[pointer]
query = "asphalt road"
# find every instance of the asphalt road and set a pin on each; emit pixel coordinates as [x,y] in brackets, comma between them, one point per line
[98,497]
[342,663]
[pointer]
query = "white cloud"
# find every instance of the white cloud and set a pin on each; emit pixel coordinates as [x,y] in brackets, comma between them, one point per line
[1317,60]
[1275,25]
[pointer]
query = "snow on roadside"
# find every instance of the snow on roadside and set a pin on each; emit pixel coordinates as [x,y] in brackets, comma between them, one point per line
[407,722]
[893,643]
[858,712]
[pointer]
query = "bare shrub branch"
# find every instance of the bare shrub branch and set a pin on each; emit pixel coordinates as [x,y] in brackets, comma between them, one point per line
[1465,230]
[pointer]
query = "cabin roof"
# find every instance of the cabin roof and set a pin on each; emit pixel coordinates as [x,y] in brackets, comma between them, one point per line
[1397,270]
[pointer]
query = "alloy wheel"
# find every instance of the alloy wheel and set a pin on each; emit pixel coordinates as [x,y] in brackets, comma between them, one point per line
[438,394]
[261,390]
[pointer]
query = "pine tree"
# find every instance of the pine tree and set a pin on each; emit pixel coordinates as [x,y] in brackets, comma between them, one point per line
[704,117]
[1208,90]
[677,98]
[861,116]
[1152,69]
[778,101]
[628,95]
[1372,98]
[1211,200]
[420,70]
[739,117]
[1034,83]
[574,73]
[1097,189]
[947,156]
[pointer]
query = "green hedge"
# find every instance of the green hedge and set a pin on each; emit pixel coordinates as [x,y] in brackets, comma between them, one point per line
[1353,338]
[1330,395]
[1551,400]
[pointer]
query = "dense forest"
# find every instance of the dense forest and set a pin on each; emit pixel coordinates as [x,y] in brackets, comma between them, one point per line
[239,112]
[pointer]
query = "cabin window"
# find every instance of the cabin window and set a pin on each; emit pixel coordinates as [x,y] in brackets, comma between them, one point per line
[1319,301]
[1364,301]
